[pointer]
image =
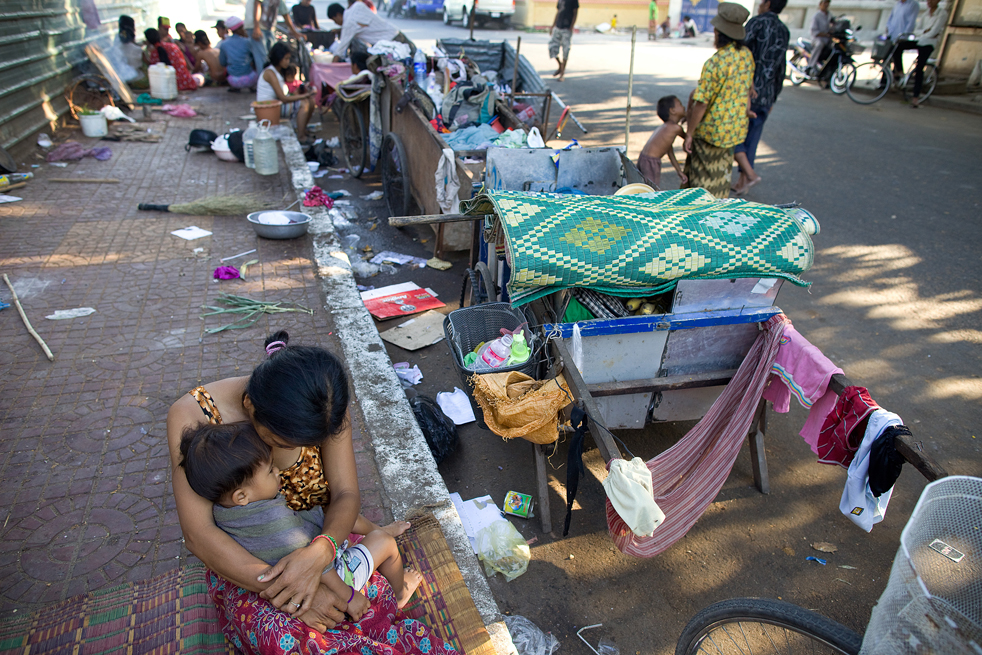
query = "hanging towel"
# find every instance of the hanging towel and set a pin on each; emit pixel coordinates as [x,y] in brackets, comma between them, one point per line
[858,502]
[447,183]
[836,442]
[688,476]
[628,487]
[801,370]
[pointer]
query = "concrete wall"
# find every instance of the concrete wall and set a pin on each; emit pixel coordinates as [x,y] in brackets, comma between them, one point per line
[540,13]
[962,45]
[41,48]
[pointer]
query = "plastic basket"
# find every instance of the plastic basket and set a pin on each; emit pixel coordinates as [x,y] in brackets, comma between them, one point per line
[467,327]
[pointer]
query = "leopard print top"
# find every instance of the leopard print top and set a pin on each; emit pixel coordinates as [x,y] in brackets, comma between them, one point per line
[304,486]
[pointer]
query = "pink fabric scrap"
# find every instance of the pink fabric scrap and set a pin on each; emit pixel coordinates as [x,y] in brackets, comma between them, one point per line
[73,151]
[226,273]
[317,198]
[180,111]
[801,370]
[687,477]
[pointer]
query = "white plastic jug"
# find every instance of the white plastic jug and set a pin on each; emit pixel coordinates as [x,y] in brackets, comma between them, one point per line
[264,150]
[163,81]
[247,142]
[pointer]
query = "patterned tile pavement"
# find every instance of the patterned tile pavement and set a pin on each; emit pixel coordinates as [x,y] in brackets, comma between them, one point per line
[84,474]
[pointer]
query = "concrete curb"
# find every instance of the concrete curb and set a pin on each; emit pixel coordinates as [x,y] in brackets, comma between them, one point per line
[956,103]
[409,474]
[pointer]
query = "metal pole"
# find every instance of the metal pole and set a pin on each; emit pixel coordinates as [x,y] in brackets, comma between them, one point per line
[514,74]
[472,22]
[630,91]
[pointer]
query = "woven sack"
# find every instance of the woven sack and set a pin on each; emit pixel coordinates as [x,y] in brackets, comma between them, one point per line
[515,405]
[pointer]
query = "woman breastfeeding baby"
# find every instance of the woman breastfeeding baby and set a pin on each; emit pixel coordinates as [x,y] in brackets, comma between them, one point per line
[267,495]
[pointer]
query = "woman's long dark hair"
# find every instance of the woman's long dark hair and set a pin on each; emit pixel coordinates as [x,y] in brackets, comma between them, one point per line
[277,53]
[300,393]
[127,29]
[722,41]
[153,38]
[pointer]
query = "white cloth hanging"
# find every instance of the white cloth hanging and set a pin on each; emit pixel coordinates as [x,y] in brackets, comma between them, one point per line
[858,502]
[628,486]
[447,182]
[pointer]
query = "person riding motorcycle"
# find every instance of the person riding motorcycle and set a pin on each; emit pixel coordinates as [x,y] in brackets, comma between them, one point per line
[820,36]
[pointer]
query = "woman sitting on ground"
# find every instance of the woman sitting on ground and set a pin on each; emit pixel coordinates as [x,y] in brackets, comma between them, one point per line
[167,53]
[297,400]
[272,86]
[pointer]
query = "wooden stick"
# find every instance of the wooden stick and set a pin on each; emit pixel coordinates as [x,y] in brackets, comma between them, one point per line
[27,323]
[84,180]
[10,187]
[630,92]
[427,219]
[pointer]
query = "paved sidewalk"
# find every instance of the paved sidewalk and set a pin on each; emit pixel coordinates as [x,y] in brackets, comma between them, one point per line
[84,470]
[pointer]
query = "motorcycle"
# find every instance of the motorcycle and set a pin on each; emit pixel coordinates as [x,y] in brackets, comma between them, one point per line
[836,68]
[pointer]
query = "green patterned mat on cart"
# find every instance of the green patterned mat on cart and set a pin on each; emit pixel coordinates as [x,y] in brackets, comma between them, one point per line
[639,245]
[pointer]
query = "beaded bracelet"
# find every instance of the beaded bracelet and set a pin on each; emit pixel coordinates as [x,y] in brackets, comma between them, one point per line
[329,538]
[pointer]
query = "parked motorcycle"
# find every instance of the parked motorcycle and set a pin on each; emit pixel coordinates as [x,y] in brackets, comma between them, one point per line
[836,68]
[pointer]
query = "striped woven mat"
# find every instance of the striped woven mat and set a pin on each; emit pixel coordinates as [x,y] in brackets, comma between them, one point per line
[639,245]
[173,613]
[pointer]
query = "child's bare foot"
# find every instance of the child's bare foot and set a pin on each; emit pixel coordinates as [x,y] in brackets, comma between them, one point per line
[411,581]
[396,528]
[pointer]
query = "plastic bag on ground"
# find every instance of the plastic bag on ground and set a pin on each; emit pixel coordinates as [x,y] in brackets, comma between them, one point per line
[438,429]
[528,638]
[503,549]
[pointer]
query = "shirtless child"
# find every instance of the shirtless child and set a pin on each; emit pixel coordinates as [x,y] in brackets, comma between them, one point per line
[671,110]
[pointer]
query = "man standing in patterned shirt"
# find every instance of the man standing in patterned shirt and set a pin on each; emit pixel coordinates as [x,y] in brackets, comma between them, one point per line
[767,38]
[717,116]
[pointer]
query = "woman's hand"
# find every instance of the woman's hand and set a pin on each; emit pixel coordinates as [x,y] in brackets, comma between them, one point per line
[295,578]
[687,144]
[326,610]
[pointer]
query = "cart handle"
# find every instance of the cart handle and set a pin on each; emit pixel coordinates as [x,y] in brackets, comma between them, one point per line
[428,219]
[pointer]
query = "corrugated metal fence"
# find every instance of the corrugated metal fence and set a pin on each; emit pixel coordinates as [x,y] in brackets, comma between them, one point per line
[41,50]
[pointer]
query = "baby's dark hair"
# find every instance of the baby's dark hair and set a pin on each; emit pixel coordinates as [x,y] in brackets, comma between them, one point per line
[290,70]
[664,107]
[219,458]
[300,393]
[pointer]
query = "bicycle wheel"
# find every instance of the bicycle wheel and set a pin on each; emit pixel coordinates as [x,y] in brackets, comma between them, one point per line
[478,286]
[840,78]
[395,175]
[762,625]
[869,82]
[354,139]
[927,88]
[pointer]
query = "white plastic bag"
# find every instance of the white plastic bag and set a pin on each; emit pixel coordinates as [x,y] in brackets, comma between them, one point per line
[535,139]
[503,549]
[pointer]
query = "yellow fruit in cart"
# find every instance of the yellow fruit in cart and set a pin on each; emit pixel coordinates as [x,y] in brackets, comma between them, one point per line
[648,308]
[634,304]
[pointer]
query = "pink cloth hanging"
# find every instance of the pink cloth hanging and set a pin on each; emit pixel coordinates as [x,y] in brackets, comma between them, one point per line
[688,476]
[801,370]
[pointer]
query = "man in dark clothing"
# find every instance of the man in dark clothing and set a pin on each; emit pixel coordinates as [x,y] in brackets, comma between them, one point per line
[562,33]
[304,15]
[767,38]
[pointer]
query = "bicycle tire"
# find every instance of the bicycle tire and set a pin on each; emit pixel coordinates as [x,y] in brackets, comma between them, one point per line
[741,625]
[928,85]
[478,287]
[354,139]
[869,82]
[395,176]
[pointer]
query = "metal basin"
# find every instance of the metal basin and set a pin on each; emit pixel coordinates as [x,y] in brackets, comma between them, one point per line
[297,227]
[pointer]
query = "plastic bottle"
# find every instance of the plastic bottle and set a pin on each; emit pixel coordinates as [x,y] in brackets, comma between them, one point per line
[497,352]
[247,138]
[419,67]
[520,352]
[14,178]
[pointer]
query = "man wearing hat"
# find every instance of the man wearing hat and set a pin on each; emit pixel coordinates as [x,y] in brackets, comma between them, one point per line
[235,54]
[718,111]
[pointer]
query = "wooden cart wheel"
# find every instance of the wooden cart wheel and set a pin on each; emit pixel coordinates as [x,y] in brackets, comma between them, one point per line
[395,176]
[354,138]
[89,92]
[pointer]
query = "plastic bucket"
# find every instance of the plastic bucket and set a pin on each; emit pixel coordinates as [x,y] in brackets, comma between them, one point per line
[94,125]
[268,110]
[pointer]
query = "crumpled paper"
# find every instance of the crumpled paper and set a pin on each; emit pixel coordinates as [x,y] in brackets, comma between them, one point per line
[226,273]
[408,375]
[317,198]
[72,150]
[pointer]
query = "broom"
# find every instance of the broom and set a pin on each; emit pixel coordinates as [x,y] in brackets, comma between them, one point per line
[230,205]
